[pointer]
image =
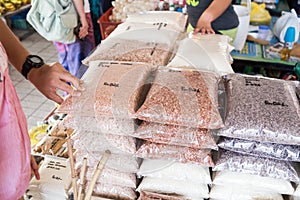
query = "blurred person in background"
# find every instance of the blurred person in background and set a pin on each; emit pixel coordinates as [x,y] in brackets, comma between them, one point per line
[71,55]
[212,16]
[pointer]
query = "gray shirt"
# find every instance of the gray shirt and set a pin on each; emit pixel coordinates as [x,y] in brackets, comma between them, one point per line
[227,20]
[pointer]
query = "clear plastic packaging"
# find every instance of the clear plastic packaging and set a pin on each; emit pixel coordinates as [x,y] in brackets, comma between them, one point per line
[144,195]
[266,167]
[112,90]
[262,109]
[132,26]
[94,141]
[119,162]
[207,52]
[143,45]
[175,153]
[236,192]
[170,186]
[183,97]
[113,191]
[177,19]
[267,150]
[175,170]
[227,178]
[110,176]
[175,135]
[104,125]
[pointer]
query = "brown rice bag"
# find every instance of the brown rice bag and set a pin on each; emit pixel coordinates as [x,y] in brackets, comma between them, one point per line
[266,167]
[153,46]
[112,90]
[121,89]
[262,109]
[183,97]
[176,135]
[113,191]
[144,195]
[119,162]
[132,51]
[176,153]
[94,141]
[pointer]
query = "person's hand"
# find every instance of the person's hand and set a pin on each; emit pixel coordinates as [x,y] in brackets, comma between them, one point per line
[204,24]
[34,168]
[49,78]
[83,31]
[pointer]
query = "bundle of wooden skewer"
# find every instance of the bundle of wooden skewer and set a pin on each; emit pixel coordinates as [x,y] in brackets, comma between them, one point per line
[78,192]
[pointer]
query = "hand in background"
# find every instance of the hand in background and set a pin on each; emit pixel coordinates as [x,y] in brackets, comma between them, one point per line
[83,31]
[49,78]
[34,168]
[204,24]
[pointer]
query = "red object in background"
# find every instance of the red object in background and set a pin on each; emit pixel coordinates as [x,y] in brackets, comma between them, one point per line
[107,26]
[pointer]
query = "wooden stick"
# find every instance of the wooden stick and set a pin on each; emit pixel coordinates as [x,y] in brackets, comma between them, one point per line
[81,180]
[73,174]
[96,174]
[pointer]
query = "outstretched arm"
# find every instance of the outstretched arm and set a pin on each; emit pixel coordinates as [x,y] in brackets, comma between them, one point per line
[48,78]
[215,9]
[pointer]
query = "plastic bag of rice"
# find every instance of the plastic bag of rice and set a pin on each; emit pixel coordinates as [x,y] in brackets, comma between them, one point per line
[279,186]
[175,135]
[237,192]
[207,52]
[175,153]
[175,170]
[262,109]
[119,162]
[143,45]
[93,141]
[177,19]
[111,176]
[266,167]
[113,191]
[112,90]
[112,126]
[145,195]
[261,149]
[171,186]
[183,97]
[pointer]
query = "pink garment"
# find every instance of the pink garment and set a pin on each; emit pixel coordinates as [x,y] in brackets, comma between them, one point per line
[14,139]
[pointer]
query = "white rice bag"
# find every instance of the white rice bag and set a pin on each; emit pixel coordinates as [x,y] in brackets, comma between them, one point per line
[175,170]
[207,52]
[235,178]
[177,19]
[237,192]
[163,185]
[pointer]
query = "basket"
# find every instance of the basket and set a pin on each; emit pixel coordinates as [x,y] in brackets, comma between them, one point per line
[107,26]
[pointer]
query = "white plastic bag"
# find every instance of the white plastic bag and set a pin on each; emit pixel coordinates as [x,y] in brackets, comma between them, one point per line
[288,19]
[227,178]
[185,188]
[236,192]
[175,170]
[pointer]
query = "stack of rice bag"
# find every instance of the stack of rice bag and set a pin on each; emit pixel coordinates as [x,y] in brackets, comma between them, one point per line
[260,143]
[180,109]
[102,119]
